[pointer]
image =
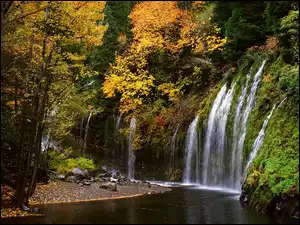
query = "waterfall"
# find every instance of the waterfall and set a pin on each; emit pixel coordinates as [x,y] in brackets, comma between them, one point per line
[281,102]
[45,142]
[213,165]
[117,136]
[173,147]
[190,148]
[131,156]
[210,127]
[258,141]
[81,130]
[236,157]
[86,130]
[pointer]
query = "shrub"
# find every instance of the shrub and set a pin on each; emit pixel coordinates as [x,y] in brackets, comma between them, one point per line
[66,165]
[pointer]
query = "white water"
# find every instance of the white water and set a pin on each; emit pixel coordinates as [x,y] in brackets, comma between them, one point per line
[45,142]
[236,157]
[86,130]
[173,147]
[246,114]
[190,149]
[131,156]
[209,131]
[259,140]
[213,166]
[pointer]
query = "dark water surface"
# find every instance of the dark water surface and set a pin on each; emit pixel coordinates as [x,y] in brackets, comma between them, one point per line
[181,205]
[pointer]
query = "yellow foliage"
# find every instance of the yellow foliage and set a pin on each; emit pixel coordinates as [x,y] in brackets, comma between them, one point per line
[157,26]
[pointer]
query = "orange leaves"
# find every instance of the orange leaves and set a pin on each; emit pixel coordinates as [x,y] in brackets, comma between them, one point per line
[160,121]
[152,20]
[267,78]
[271,45]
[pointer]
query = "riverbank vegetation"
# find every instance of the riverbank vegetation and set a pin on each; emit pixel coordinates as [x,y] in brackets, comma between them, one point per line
[69,68]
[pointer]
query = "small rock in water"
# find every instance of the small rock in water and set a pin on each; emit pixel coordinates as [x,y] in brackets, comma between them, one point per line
[35,210]
[80,184]
[25,208]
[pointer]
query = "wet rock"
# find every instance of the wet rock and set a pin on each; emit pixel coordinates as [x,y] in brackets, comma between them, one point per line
[113,180]
[109,186]
[244,198]
[80,173]
[92,179]
[71,179]
[108,175]
[101,175]
[105,178]
[80,184]
[24,207]
[86,183]
[98,172]
[61,177]
[35,210]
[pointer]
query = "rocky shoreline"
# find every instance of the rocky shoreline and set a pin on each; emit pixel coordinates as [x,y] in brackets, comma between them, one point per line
[64,192]
[81,186]
[282,208]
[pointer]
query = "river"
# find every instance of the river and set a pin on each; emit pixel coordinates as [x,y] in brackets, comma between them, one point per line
[185,204]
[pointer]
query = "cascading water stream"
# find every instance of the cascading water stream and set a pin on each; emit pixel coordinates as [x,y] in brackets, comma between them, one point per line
[191,147]
[236,157]
[131,156]
[259,140]
[86,130]
[245,117]
[213,163]
[209,131]
[45,143]
[173,146]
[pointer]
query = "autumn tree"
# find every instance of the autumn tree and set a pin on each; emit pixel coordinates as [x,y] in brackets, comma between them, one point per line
[158,27]
[40,40]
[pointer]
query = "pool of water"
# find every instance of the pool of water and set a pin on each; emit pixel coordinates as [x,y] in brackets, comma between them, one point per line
[188,204]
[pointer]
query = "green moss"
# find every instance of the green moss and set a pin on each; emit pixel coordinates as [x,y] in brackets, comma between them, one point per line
[275,170]
[206,104]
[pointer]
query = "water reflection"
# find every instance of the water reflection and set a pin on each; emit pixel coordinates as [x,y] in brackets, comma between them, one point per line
[181,205]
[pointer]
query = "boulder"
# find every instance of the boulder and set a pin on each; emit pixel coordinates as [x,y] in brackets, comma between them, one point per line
[113,180]
[61,177]
[71,179]
[87,183]
[98,172]
[24,207]
[101,175]
[80,173]
[35,210]
[105,178]
[109,186]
